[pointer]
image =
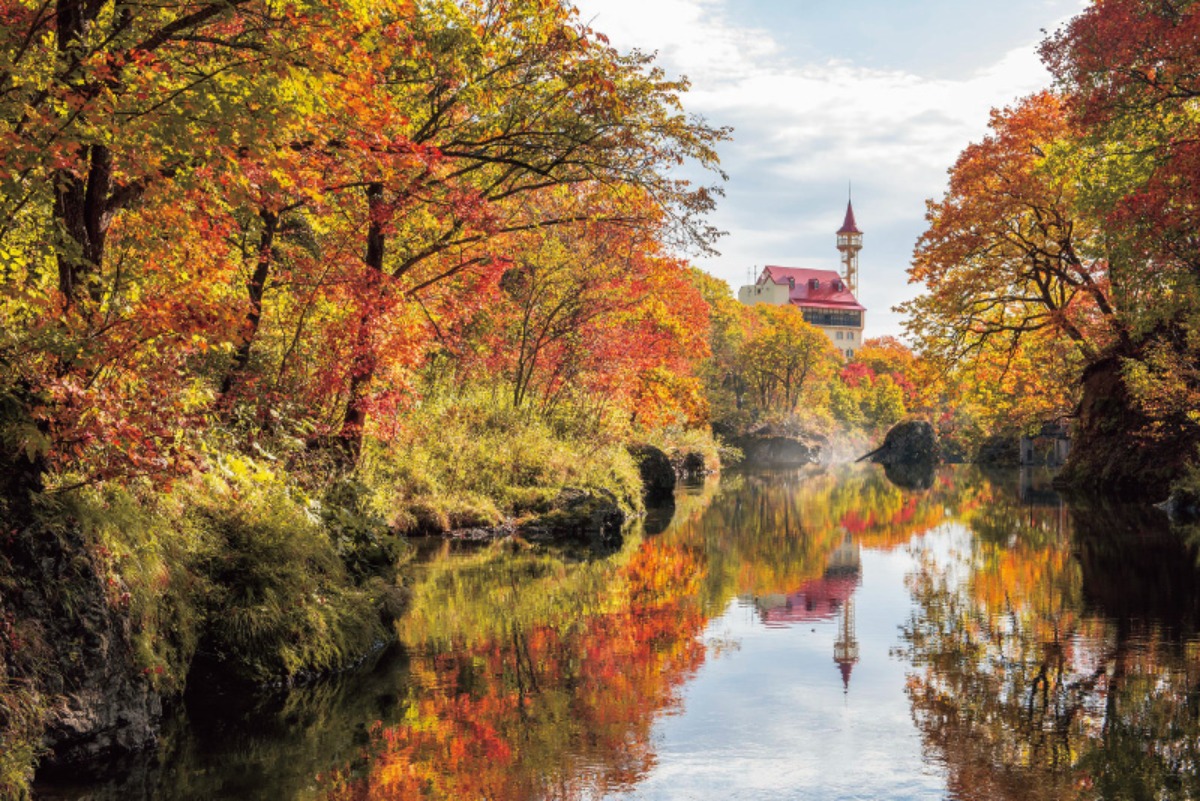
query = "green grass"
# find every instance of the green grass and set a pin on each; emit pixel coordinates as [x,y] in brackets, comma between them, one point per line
[468,465]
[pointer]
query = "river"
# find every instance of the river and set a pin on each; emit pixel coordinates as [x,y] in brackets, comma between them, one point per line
[818,634]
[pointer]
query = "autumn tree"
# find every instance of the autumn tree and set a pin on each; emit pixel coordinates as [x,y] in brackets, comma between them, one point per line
[1133,75]
[515,97]
[1131,70]
[117,118]
[1016,267]
[594,312]
[723,372]
[281,206]
[1007,252]
[785,357]
[1093,188]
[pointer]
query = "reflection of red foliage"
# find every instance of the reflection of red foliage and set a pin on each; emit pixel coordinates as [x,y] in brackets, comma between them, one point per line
[855,522]
[568,708]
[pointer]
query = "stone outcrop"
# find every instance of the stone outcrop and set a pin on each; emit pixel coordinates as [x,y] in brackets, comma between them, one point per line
[778,452]
[657,472]
[78,649]
[769,447]
[913,442]
[1118,448]
[587,517]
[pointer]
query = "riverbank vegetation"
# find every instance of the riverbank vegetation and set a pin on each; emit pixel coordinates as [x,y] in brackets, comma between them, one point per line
[1066,244]
[282,287]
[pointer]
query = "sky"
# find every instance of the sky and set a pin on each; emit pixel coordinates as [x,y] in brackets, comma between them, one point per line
[824,94]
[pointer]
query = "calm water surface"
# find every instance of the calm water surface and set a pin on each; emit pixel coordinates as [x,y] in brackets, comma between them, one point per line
[796,635]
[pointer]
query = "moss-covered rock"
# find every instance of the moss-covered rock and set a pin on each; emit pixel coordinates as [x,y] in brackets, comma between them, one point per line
[656,470]
[68,657]
[589,517]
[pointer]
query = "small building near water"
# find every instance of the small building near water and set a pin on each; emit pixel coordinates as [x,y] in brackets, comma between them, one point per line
[1050,446]
[826,297]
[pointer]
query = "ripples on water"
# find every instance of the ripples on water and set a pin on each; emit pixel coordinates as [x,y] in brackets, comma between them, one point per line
[798,635]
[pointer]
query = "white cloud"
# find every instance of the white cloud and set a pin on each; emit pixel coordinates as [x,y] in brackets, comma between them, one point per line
[802,130]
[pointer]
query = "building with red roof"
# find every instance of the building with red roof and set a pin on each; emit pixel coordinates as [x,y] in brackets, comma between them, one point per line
[826,297]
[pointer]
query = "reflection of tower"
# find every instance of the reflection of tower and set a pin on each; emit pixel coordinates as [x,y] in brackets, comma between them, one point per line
[845,561]
[845,647]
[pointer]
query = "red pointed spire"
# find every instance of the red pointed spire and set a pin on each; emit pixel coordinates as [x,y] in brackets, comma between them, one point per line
[849,226]
[845,666]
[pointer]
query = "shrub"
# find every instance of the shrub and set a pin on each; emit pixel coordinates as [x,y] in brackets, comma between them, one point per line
[279,601]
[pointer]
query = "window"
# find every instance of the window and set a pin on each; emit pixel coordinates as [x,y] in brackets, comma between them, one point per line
[839,334]
[831,318]
[849,353]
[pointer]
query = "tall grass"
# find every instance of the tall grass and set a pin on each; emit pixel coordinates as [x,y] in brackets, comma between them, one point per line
[475,463]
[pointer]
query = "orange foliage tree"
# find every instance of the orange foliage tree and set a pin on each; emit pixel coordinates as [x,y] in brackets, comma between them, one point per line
[1070,231]
[195,218]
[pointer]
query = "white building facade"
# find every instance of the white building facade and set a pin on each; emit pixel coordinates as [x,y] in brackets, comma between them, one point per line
[826,298]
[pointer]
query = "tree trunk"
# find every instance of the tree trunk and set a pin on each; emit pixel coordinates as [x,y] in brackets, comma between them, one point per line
[81,207]
[362,370]
[255,289]
[80,201]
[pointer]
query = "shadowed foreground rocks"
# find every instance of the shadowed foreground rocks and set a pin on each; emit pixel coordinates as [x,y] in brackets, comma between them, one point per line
[587,517]
[74,649]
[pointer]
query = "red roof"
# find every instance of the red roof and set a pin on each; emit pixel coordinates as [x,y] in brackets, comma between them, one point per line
[829,291]
[849,226]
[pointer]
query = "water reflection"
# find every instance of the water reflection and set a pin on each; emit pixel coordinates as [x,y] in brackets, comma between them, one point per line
[830,597]
[222,744]
[965,636]
[1055,654]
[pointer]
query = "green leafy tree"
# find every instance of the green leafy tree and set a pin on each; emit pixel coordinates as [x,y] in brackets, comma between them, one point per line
[785,357]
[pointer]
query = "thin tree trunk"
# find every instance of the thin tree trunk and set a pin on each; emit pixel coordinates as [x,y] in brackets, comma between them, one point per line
[81,207]
[362,370]
[255,289]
